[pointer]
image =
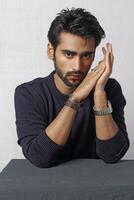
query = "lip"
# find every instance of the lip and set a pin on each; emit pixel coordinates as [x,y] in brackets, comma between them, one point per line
[75,76]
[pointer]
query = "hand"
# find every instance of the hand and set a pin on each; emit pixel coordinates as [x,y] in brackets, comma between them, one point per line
[108,63]
[89,82]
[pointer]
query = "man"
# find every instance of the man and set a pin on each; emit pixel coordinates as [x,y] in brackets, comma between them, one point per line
[74,112]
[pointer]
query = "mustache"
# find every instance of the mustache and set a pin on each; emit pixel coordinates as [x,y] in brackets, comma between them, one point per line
[75,73]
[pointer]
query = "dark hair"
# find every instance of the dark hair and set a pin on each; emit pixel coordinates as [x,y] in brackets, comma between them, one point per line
[77,21]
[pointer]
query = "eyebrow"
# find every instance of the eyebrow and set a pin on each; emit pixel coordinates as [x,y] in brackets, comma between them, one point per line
[75,53]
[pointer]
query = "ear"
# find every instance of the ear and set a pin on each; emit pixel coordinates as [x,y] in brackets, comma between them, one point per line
[50,51]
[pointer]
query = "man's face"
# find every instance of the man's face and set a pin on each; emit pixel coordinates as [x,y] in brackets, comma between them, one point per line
[73,58]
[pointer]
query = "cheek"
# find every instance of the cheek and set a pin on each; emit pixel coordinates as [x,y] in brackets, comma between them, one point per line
[60,62]
[60,59]
[86,64]
[64,62]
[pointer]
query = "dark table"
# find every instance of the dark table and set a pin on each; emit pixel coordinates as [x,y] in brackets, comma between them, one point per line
[80,179]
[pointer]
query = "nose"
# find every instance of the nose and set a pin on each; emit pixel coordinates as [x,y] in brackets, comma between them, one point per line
[77,64]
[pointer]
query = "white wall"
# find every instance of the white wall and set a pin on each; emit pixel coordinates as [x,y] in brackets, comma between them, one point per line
[23,29]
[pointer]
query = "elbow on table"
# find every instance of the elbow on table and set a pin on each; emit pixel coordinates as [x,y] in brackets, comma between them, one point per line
[115,157]
[42,165]
[111,161]
[39,161]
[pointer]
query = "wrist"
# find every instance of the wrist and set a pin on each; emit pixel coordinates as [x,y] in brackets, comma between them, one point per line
[100,99]
[74,98]
[72,102]
[99,94]
[99,91]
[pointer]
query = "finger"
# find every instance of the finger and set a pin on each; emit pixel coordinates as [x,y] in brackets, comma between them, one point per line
[108,64]
[110,50]
[104,52]
[112,57]
[108,59]
[112,60]
[98,69]
[102,62]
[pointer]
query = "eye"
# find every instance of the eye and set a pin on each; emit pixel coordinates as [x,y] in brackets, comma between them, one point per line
[68,54]
[87,56]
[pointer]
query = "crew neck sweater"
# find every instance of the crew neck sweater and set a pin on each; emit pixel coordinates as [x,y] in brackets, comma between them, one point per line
[38,102]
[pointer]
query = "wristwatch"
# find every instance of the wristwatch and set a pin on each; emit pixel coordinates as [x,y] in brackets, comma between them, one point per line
[105,111]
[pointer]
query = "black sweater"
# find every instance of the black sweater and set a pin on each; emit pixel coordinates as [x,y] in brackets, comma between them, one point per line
[38,102]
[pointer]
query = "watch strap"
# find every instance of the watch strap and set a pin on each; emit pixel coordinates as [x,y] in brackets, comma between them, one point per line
[105,111]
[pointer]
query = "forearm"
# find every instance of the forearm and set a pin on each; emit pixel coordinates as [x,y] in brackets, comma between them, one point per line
[45,149]
[111,144]
[106,127]
[59,129]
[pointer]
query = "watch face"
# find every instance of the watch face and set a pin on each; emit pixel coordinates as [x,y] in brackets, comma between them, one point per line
[105,111]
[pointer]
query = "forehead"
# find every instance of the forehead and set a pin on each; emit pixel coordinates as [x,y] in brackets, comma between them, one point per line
[77,43]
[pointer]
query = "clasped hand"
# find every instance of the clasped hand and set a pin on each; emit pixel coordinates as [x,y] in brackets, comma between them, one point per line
[107,63]
[96,79]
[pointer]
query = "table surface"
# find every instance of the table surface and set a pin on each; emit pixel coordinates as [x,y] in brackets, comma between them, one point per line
[80,179]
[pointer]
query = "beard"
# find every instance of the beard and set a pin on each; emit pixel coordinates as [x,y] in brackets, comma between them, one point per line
[64,77]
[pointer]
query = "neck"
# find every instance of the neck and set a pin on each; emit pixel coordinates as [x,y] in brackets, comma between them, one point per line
[61,85]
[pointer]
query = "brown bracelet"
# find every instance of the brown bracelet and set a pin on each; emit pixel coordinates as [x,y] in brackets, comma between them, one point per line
[72,104]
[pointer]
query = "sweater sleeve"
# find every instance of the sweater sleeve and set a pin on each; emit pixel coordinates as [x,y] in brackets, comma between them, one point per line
[114,149]
[31,121]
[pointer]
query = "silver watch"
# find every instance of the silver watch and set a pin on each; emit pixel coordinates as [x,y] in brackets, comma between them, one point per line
[105,111]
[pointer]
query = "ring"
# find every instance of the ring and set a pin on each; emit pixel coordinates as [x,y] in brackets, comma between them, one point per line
[94,70]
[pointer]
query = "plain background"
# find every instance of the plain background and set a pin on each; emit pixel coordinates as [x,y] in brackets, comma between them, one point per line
[23,40]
